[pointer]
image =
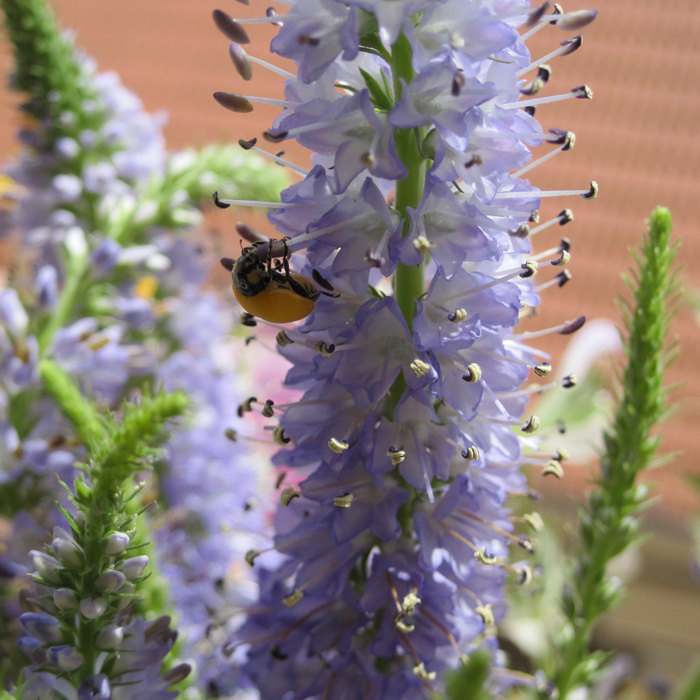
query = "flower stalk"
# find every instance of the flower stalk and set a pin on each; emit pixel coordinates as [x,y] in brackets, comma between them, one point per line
[609,523]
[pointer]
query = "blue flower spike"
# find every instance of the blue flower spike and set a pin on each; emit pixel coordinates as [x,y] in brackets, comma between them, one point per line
[411,431]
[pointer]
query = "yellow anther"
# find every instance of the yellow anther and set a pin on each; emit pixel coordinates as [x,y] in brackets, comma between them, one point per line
[344,501]
[420,368]
[473,373]
[287,495]
[531,425]
[293,598]
[338,446]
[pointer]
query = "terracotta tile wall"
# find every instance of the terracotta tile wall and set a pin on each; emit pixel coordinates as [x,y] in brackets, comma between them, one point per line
[636,137]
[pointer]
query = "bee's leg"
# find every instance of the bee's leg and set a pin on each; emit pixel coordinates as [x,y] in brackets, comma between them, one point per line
[285,265]
[301,290]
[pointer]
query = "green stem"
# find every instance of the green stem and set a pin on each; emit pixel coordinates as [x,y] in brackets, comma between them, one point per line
[408,280]
[65,309]
[609,523]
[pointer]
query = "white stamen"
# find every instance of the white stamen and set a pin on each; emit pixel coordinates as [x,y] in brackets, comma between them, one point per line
[287,164]
[540,194]
[576,93]
[271,101]
[256,203]
[553,54]
[539,161]
[271,67]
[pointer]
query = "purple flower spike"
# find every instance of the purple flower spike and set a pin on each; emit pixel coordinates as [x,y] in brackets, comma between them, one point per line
[392,544]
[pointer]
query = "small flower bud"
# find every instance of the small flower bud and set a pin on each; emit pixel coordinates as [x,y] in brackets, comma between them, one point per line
[96,687]
[65,599]
[134,567]
[42,626]
[92,608]
[46,566]
[109,637]
[68,553]
[110,581]
[64,657]
[33,649]
[116,543]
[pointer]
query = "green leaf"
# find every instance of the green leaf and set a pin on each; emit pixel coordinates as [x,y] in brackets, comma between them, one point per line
[380,98]
[468,682]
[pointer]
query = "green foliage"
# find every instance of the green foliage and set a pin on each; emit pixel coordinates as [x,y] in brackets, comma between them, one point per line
[468,682]
[118,447]
[608,524]
[45,67]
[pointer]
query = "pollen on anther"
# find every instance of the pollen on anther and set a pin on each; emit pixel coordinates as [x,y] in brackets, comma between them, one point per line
[524,575]
[279,437]
[287,495]
[396,455]
[268,410]
[423,245]
[251,555]
[344,501]
[419,367]
[338,446]
[231,434]
[283,339]
[592,192]
[293,598]
[569,381]
[423,674]
[246,406]
[457,316]
[543,369]
[482,557]
[486,613]
[473,373]
[564,258]
[529,268]
[324,348]
[554,468]
[532,425]
[472,454]
[534,521]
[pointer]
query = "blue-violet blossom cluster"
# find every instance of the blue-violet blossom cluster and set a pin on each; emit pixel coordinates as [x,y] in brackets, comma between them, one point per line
[107,285]
[409,435]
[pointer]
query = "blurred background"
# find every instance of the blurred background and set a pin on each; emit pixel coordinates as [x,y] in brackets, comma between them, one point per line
[636,138]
